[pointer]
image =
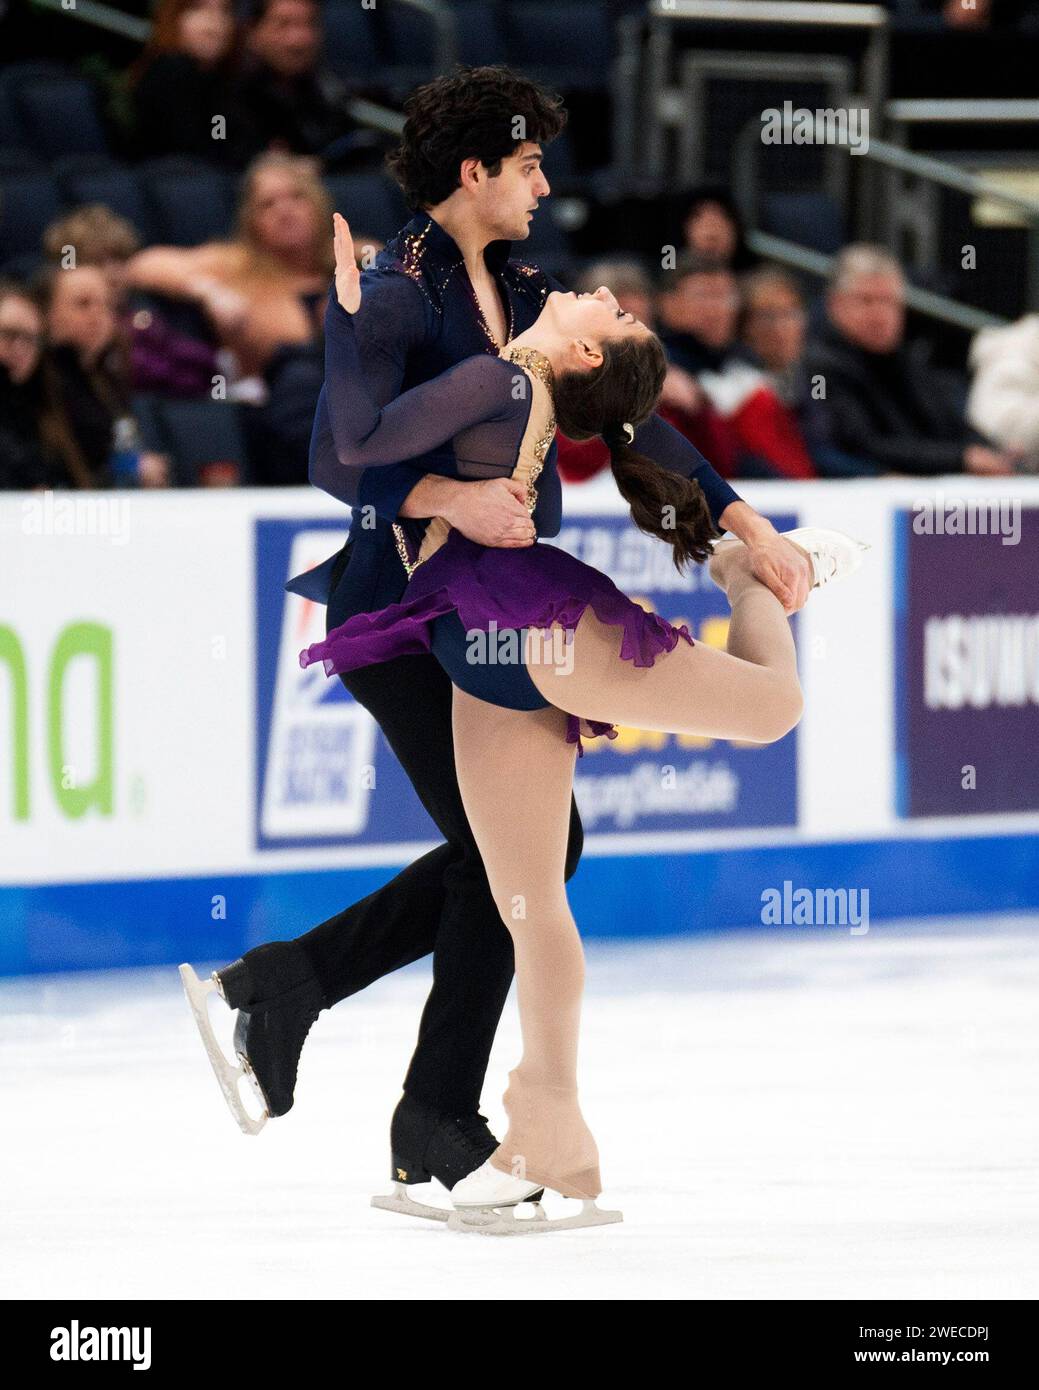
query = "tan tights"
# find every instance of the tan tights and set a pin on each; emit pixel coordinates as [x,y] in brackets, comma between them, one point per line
[515,772]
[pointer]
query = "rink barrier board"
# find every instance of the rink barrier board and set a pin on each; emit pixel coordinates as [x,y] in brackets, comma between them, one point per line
[186,756]
[91,926]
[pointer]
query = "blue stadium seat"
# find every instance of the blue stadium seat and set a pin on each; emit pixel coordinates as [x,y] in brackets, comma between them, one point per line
[481,38]
[83,179]
[371,203]
[351,47]
[57,110]
[189,202]
[810,219]
[28,203]
[567,45]
[12,133]
[16,161]
[194,433]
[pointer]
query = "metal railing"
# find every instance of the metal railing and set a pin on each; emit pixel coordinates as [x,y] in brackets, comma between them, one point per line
[939,111]
[916,210]
[935,306]
[902,208]
[664,107]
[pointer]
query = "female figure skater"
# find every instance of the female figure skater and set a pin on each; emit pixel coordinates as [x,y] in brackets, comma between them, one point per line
[590,369]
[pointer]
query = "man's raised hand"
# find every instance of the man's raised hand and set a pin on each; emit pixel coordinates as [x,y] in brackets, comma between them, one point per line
[348,277]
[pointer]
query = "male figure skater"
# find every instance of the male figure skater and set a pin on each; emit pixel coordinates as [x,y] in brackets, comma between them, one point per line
[445,288]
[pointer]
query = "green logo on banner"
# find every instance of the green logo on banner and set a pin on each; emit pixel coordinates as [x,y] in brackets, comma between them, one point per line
[88,640]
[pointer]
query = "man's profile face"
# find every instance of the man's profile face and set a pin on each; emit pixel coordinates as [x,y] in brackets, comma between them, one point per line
[870,311]
[508,200]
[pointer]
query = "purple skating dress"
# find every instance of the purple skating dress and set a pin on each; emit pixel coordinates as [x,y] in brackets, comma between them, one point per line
[496,413]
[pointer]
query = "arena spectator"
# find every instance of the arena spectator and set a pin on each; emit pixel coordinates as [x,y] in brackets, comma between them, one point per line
[773,322]
[87,381]
[162,360]
[1004,394]
[712,227]
[180,84]
[283,98]
[23,454]
[265,289]
[264,294]
[880,402]
[773,327]
[699,310]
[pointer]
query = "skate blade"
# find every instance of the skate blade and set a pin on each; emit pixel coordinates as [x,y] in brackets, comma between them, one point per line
[503,1221]
[399,1201]
[227,1076]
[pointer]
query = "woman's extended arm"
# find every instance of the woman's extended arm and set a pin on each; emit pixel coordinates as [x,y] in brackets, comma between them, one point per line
[422,419]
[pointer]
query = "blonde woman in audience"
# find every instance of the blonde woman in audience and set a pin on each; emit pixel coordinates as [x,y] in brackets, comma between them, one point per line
[265,288]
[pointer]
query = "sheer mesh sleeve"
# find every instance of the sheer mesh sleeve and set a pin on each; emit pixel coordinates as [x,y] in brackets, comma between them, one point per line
[366,435]
[390,324]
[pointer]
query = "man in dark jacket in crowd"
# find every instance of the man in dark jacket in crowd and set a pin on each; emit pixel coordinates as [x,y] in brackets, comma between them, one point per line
[879,402]
[283,98]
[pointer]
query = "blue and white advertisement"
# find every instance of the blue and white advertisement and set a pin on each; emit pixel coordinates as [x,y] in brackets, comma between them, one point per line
[326,775]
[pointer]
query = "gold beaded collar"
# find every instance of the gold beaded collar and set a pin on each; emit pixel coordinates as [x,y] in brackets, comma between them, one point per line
[534,361]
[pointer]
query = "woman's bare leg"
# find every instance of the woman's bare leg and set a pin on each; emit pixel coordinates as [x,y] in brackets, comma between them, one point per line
[748,692]
[515,773]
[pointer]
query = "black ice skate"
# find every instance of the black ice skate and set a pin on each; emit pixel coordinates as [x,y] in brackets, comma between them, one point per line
[426,1144]
[278,998]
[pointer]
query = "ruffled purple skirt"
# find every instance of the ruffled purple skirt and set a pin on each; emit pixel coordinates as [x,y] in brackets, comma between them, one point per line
[535,586]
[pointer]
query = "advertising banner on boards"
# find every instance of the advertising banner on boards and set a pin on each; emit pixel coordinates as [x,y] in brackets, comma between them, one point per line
[967,658]
[325,774]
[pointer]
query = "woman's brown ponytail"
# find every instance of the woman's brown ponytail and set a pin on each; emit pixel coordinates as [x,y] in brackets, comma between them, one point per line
[626,388]
[664,504]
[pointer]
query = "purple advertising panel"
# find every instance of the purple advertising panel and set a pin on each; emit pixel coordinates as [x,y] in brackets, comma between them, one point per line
[967,657]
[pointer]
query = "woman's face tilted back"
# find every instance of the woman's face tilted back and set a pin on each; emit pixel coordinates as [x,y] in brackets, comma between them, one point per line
[594,318]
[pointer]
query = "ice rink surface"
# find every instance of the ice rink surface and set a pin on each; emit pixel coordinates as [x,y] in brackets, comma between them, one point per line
[797,1115]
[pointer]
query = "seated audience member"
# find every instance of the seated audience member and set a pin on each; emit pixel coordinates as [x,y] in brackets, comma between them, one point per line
[25,461]
[880,402]
[87,382]
[264,293]
[283,99]
[1004,393]
[162,360]
[264,289]
[699,311]
[712,228]
[180,84]
[773,326]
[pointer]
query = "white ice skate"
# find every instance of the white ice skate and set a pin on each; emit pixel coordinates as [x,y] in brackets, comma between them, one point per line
[227,1073]
[485,1202]
[833,554]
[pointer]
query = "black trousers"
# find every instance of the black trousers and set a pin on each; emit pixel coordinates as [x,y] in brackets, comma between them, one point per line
[441,903]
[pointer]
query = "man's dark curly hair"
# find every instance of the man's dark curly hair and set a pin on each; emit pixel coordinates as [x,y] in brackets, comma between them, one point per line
[473,114]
